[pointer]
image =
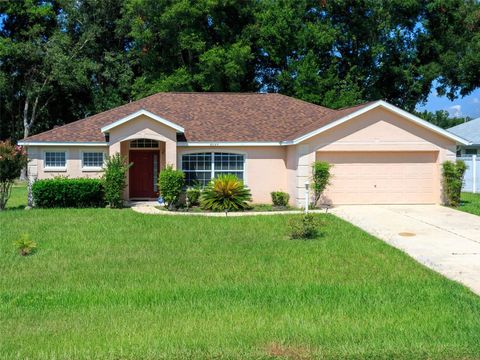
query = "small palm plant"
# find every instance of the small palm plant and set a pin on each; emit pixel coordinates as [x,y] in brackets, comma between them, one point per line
[225,193]
[25,246]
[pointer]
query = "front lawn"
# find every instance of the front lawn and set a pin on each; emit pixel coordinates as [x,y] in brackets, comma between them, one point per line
[470,203]
[115,284]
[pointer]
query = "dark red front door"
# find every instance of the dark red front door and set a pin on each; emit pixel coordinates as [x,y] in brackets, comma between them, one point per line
[143,173]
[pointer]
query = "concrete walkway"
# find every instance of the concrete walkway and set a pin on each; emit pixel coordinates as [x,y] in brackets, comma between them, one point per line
[150,208]
[445,240]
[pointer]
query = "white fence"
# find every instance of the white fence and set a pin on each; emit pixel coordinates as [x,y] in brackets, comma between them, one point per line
[471,181]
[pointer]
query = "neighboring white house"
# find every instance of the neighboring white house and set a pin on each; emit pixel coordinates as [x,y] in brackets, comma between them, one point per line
[470,153]
[470,131]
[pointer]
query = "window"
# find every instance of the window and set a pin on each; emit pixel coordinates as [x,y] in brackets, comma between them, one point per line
[202,167]
[470,152]
[143,144]
[55,159]
[92,159]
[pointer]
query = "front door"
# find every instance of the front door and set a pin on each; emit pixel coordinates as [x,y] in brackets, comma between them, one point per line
[144,173]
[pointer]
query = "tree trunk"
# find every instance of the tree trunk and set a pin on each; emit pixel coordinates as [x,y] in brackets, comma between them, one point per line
[27,125]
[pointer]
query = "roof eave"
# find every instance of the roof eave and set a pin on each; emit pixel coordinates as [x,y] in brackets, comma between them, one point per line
[61,143]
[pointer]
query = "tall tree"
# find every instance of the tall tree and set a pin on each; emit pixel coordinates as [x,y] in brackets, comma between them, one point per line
[189,45]
[65,59]
[113,68]
[339,52]
[38,57]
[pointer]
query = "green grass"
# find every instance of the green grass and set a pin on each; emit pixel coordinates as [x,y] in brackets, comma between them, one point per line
[470,203]
[18,199]
[114,284]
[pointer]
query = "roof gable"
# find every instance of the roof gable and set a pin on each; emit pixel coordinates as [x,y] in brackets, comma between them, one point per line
[138,113]
[388,106]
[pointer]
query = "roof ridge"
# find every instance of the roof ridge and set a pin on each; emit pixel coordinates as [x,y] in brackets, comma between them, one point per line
[360,104]
[304,102]
[214,92]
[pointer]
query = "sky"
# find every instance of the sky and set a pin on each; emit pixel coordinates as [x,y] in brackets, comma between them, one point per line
[466,106]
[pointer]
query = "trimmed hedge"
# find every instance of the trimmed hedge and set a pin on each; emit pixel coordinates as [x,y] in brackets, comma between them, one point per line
[63,192]
[280,198]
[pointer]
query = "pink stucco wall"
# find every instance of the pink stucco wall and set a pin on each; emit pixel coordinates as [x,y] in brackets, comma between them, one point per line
[74,167]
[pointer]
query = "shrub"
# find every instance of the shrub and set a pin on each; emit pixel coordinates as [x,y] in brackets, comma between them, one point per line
[280,198]
[320,179]
[114,179]
[12,160]
[170,185]
[64,192]
[225,193]
[25,246]
[193,195]
[453,181]
[304,226]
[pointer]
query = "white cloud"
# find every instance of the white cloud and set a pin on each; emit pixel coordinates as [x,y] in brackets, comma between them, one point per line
[455,110]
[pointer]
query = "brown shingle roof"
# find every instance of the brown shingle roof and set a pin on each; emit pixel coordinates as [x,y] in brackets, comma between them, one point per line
[216,117]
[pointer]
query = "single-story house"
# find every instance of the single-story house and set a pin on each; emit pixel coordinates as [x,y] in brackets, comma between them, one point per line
[381,154]
[470,131]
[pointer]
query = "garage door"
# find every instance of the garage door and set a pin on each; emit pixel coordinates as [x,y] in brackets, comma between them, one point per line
[382,177]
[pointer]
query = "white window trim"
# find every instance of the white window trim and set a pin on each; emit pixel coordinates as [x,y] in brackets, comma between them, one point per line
[55,168]
[217,150]
[143,148]
[91,168]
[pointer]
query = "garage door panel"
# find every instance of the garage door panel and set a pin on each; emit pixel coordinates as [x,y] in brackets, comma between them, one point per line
[381,177]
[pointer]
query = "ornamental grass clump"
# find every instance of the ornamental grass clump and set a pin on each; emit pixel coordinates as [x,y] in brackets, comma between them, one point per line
[225,193]
[453,173]
[12,160]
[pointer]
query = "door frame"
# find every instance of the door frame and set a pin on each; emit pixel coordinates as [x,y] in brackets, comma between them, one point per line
[149,150]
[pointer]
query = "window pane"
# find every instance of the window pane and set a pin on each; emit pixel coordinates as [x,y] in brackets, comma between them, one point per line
[55,159]
[93,159]
[231,163]
[197,168]
[143,143]
[198,177]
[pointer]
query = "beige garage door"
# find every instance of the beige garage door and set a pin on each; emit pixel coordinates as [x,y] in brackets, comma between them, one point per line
[382,177]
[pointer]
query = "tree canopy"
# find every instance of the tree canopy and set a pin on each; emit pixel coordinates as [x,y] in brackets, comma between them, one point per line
[62,60]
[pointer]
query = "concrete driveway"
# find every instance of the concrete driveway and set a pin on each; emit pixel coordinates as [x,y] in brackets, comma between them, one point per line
[445,240]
